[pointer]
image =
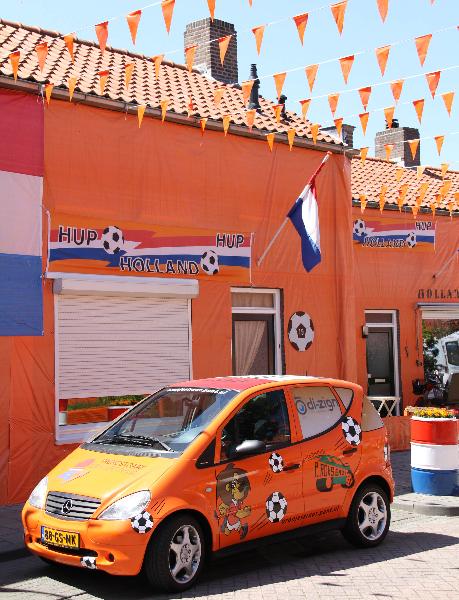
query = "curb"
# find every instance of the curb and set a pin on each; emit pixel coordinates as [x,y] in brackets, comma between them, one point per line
[427,508]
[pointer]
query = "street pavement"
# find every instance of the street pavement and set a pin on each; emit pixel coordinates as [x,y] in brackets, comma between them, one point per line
[418,560]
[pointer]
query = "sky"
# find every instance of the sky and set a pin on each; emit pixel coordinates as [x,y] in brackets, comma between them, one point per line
[281,51]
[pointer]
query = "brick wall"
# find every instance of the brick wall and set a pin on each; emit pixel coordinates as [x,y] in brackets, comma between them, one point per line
[208,52]
[401,150]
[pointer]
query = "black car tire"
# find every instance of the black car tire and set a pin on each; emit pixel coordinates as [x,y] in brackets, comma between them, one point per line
[368,506]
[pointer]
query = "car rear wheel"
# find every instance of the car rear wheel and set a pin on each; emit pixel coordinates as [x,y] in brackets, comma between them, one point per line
[369,517]
[175,554]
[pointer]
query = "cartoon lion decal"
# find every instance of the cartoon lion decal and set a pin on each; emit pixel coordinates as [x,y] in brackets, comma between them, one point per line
[233,487]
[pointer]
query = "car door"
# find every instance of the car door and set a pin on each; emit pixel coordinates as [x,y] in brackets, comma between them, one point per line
[260,493]
[330,447]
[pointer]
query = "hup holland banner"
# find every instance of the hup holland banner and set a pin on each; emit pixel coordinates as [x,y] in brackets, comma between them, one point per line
[86,245]
[395,234]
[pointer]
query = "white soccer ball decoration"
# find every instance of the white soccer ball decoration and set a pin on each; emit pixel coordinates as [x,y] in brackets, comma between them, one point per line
[88,562]
[352,431]
[359,228]
[209,262]
[411,240]
[112,239]
[300,331]
[142,523]
[276,507]
[276,462]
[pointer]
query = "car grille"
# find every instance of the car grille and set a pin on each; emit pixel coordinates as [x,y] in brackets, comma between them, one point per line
[70,506]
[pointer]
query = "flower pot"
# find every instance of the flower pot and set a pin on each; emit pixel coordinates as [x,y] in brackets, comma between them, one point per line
[116,411]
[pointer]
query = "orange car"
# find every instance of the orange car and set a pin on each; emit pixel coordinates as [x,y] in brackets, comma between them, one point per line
[211,466]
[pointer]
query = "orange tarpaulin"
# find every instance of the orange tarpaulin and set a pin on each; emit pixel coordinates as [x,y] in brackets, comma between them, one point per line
[398,432]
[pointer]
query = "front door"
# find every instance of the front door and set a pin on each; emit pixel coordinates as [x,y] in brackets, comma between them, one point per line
[259,494]
[380,362]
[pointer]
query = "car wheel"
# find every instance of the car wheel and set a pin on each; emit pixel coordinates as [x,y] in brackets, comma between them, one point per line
[369,517]
[175,554]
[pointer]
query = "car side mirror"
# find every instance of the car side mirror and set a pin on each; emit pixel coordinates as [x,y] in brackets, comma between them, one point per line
[249,447]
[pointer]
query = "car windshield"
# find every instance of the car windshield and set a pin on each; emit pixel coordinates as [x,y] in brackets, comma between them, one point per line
[168,420]
[452,351]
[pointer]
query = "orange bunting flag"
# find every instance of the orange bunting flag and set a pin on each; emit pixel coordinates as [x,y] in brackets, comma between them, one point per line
[301,21]
[415,210]
[311,74]
[434,204]
[419,108]
[68,40]
[432,81]
[190,51]
[128,70]
[315,131]
[444,169]
[102,35]
[419,171]
[333,102]
[382,55]
[413,144]
[158,59]
[339,125]
[277,108]
[439,139]
[346,65]
[388,148]
[211,5]
[445,188]
[168,10]
[258,32]
[190,106]
[422,191]
[226,123]
[71,82]
[103,76]
[422,46]
[365,96]
[15,57]
[383,7]
[402,192]
[364,121]
[382,197]
[250,3]
[451,207]
[133,19]
[305,107]
[396,87]
[223,43]
[291,137]
[389,115]
[363,154]
[338,11]
[270,140]
[399,173]
[203,123]
[250,118]
[218,95]
[164,103]
[48,92]
[279,79]
[140,112]
[246,89]
[448,98]
[42,51]
[363,202]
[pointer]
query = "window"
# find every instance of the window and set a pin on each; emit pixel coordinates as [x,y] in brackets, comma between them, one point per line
[263,418]
[318,409]
[346,396]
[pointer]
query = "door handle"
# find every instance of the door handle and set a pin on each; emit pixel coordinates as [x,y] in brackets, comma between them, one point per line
[291,467]
[350,451]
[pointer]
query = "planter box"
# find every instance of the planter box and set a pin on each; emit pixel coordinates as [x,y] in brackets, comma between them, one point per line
[116,411]
[87,415]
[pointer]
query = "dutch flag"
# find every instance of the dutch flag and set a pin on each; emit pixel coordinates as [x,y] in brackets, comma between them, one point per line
[304,215]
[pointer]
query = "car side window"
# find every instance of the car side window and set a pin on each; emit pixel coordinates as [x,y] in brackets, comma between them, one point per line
[318,409]
[264,418]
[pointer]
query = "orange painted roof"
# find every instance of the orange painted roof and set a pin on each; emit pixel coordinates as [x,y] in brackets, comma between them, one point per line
[368,177]
[174,82]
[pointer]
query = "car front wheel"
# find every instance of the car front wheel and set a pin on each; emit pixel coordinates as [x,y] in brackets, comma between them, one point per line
[369,517]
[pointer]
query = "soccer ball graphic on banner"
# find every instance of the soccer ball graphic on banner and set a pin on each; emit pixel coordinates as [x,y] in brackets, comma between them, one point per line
[300,331]
[359,228]
[411,240]
[352,431]
[276,507]
[209,262]
[112,239]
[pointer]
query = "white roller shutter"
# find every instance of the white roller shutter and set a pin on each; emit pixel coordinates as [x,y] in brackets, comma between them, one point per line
[114,345]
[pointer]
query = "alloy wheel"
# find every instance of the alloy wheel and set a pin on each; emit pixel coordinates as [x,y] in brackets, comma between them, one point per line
[372,515]
[184,554]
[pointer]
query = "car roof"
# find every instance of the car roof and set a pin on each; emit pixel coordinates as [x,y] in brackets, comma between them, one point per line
[246,382]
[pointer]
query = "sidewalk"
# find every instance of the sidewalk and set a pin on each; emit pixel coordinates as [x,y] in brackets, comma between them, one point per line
[12,546]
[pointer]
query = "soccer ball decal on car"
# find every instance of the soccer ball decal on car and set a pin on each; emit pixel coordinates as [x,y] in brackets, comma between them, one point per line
[352,431]
[88,562]
[359,228]
[276,462]
[300,331]
[276,507]
[209,262]
[142,523]
[112,239]
[411,240]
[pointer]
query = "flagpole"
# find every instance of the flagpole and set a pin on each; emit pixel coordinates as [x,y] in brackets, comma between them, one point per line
[285,221]
[447,263]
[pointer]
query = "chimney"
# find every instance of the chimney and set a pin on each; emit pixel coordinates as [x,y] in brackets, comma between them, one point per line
[399,136]
[254,99]
[205,34]
[347,133]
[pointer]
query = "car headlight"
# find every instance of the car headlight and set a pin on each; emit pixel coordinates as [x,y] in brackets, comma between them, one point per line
[126,507]
[38,496]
